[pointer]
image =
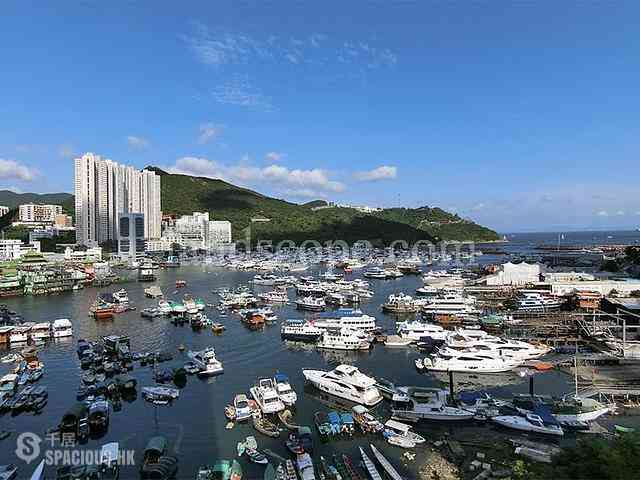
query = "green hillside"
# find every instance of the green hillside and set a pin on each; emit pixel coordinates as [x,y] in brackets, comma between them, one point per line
[183,194]
[12,199]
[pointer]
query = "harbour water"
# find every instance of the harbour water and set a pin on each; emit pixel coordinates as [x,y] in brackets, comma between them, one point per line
[195,423]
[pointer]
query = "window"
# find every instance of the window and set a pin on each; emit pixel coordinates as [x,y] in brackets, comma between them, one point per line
[139,227]
[124,227]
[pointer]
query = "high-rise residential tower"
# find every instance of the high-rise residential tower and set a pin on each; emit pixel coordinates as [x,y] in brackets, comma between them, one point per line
[104,190]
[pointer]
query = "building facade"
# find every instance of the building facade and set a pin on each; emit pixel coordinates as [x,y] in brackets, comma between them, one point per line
[195,232]
[32,213]
[104,190]
[4,210]
[131,239]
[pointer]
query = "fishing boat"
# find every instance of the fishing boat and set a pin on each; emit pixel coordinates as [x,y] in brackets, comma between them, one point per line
[181,283]
[369,466]
[266,396]
[366,420]
[400,303]
[153,292]
[121,296]
[156,464]
[386,465]
[103,311]
[41,331]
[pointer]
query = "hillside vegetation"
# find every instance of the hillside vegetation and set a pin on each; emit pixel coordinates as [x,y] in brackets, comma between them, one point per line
[183,194]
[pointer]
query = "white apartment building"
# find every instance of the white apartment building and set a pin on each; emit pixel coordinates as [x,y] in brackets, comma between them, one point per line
[197,232]
[4,210]
[131,243]
[14,249]
[33,213]
[104,190]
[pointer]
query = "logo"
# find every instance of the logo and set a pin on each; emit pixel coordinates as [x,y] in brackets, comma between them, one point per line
[28,446]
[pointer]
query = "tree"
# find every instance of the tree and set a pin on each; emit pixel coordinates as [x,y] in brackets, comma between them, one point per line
[610,266]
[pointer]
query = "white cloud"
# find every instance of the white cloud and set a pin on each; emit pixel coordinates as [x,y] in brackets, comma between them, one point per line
[15,170]
[274,156]
[620,213]
[383,172]
[208,132]
[602,213]
[239,90]
[478,206]
[138,143]
[66,150]
[310,182]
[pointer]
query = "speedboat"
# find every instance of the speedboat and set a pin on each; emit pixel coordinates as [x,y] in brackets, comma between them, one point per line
[416,403]
[285,392]
[400,434]
[242,407]
[345,381]
[266,396]
[530,422]
[207,362]
[568,409]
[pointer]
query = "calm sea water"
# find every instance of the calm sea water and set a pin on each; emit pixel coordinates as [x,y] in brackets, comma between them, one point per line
[195,423]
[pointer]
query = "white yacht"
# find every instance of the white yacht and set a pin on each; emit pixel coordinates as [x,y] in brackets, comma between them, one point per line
[415,403]
[121,296]
[454,305]
[345,381]
[469,363]
[347,317]
[61,328]
[242,406]
[207,362]
[537,302]
[314,304]
[344,338]
[285,392]
[495,346]
[300,330]
[375,272]
[41,331]
[417,331]
[266,396]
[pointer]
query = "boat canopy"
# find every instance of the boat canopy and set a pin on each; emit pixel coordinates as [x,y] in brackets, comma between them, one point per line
[471,397]
[402,427]
[156,444]
[359,409]
[109,453]
[334,418]
[281,378]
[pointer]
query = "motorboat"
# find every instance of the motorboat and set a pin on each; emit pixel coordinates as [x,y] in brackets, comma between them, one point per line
[285,392]
[344,338]
[416,403]
[376,273]
[419,331]
[400,434]
[494,346]
[266,396]
[540,422]
[345,381]
[242,408]
[366,420]
[347,317]
[153,292]
[400,303]
[538,302]
[568,409]
[121,296]
[62,328]
[300,330]
[160,394]
[165,307]
[469,363]
[207,362]
[451,305]
[9,383]
[314,304]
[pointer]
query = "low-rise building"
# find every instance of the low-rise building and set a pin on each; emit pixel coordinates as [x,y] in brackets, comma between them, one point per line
[33,213]
[14,249]
[515,274]
[604,287]
[4,210]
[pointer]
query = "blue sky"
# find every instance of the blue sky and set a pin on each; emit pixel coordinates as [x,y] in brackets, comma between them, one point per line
[519,115]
